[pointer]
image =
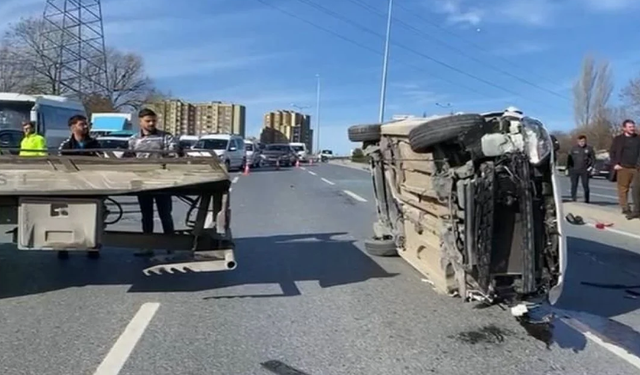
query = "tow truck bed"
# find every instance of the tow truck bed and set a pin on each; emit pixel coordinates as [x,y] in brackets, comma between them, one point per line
[57,203]
[92,176]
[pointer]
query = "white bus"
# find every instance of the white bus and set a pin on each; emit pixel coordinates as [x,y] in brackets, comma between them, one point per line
[50,112]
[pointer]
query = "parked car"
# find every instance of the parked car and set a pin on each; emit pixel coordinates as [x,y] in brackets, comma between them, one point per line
[602,168]
[472,201]
[278,154]
[253,153]
[228,148]
[301,151]
[114,143]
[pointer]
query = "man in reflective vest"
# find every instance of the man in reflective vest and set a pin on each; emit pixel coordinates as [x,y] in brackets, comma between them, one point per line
[32,141]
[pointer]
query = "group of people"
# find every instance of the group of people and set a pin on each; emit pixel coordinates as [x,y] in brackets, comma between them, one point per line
[624,159]
[149,139]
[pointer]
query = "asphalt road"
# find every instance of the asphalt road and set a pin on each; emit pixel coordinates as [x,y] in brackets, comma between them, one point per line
[306,295]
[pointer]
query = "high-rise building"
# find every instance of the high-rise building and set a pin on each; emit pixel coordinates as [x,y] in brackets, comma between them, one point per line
[287,126]
[183,118]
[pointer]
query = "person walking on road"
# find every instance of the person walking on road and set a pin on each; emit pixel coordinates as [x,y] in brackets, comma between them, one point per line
[624,154]
[150,138]
[580,162]
[32,141]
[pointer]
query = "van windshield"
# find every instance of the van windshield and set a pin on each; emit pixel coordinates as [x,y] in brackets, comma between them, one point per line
[298,148]
[212,144]
[14,114]
[248,147]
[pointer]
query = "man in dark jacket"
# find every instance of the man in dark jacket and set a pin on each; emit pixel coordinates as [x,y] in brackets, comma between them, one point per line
[624,153]
[79,139]
[580,162]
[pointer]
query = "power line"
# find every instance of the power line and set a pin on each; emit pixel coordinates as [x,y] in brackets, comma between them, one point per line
[364,47]
[468,42]
[447,45]
[425,56]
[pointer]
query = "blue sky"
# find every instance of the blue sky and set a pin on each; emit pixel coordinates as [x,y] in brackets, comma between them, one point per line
[475,55]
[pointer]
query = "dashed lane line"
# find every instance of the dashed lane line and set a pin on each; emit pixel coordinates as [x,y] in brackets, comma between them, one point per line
[354,196]
[120,351]
[235,179]
[327,181]
[312,173]
[303,168]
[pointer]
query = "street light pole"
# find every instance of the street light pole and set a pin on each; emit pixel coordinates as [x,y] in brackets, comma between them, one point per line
[385,64]
[318,110]
[448,105]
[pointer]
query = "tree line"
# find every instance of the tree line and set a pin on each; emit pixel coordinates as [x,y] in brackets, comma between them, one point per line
[30,63]
[594,114]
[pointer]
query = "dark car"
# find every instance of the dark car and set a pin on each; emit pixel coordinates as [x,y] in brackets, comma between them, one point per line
[10,139]
[278,154]
[601,168]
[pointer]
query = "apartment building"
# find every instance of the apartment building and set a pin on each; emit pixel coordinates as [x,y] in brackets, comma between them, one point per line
[283,126]
[183,118]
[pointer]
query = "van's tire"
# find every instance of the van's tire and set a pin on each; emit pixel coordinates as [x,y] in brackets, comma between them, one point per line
[381,247]
[423,137]
[364,133]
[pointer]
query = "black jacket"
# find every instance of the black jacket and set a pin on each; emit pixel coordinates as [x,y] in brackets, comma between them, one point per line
[580,159]
[617,155]
[71,144]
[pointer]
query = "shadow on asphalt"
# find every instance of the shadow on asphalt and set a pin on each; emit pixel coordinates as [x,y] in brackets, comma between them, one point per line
[279,260]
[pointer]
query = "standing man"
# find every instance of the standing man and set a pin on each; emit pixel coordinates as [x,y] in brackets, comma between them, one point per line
[32,141]
[624,153]
[580,162]
[150,138]
[79,139]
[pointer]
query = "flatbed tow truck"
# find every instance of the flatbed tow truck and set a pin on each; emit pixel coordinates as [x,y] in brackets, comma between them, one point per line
[57,203]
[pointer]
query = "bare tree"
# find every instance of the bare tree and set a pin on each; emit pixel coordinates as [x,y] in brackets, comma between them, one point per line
[591,95]
[31,43]
[12,74]
[630,95]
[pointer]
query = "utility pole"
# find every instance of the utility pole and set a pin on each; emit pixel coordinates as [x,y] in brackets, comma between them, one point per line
[318,111]
[385,64]
[75,44]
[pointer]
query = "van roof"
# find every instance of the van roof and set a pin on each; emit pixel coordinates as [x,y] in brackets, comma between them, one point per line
[218,136]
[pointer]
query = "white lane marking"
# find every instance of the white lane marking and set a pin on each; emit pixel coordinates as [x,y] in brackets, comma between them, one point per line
[354,196]
[620,352]
[312,173]
[327,181]
[616,231]
[235,179]
[303,168]
[121,350]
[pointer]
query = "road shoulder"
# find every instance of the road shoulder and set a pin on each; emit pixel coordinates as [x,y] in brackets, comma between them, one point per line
[612,220]
[349,164]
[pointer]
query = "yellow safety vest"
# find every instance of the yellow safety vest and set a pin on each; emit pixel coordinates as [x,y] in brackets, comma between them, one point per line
[33,142]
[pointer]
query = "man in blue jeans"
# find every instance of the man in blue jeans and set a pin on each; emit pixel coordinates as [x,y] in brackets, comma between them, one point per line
[150,138]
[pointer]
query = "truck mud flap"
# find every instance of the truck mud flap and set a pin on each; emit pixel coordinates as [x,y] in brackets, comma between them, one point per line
[187,262]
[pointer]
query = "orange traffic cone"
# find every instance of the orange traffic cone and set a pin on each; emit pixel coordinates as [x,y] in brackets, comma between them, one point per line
[297,163]
[277,164]
[246,169]
[310,161]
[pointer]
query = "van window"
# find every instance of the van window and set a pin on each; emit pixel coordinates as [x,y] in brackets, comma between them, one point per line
[248,147]
[297,148]
[212,144]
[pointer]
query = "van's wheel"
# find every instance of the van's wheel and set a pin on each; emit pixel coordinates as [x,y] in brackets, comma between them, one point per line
[364,133]
[381,247]
[423,137]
